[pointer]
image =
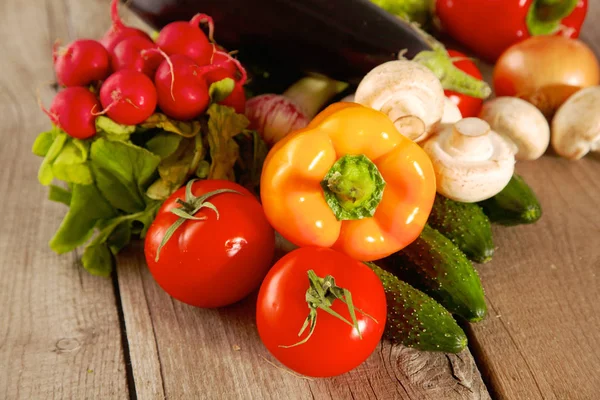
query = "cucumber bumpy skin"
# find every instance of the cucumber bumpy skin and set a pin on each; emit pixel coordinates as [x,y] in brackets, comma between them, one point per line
[416,320]
[516,204]
[433,264]
[466,225]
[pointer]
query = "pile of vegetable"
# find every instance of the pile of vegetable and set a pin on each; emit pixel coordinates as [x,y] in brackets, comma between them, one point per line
[382,202]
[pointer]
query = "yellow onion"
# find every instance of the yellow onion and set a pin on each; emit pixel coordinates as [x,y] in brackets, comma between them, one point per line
[546,70]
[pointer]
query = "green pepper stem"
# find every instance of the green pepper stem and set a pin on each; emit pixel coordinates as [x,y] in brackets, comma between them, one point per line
[440,63]
[353,187]
[312,92]
[419,11]
[544,16]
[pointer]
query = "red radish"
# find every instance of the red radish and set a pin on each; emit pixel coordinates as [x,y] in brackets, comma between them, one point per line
[72,110]
[182,88]
[119,31]
[229,67]
[186,38]
[133,53]
[128,97]
[236,99]
[81,63]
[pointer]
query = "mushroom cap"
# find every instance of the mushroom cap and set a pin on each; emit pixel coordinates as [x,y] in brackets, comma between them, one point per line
[451,113]
[471,162]
[576,124]
[403,88]
[521,122]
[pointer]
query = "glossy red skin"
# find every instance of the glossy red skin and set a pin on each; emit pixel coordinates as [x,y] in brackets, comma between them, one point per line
[237,99]
[183,38]
[488,27]
[81,63]
[116,34]
[468,106]
[212,263]
[190,88]
[335,347]
[130,54]
[133,95]
[71,110]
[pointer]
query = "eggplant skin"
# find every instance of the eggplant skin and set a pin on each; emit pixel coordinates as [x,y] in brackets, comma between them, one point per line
[343,39]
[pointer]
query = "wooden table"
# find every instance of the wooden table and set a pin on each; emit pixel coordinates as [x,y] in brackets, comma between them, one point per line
[67,335]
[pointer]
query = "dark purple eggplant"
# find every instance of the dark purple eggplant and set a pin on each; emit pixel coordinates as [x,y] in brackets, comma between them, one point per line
[343,39]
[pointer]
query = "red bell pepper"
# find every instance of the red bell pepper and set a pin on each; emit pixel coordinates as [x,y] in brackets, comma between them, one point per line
[488,27]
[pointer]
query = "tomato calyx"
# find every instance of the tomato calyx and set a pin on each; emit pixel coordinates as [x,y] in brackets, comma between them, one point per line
[321,294]
[189,207]
[544,16]
[353,187]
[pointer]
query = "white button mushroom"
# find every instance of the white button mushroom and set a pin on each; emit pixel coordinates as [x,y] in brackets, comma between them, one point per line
[471,162]
[407,92]
[521,122]
[452,113]
[576,124]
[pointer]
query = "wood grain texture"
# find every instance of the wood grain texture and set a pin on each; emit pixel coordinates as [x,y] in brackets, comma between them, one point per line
[180,351]
[541,339]
[59,328]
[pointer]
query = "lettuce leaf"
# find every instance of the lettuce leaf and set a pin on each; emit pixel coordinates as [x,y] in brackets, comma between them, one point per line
[45,175]
[184,128]
[87,207]
[223,125]
[71,164]
[253,151]
[175,169]
[122,171]
[43,142]
[111,130]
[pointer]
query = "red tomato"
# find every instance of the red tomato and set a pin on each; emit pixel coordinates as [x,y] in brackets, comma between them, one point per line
[212,262]
[488,27]
[468,106]
[334,347]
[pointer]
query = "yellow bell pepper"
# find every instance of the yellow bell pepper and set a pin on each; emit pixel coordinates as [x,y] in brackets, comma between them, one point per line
[349,181]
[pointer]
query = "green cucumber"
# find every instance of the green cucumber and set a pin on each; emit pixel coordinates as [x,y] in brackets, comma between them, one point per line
[416,320]
[466,225]
[433,264]
[516,204]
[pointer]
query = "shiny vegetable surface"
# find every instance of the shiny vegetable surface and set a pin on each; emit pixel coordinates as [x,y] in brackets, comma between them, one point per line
[489,27]
[468,106]
[546,70]
[349,181]
[221,246]
[328,344]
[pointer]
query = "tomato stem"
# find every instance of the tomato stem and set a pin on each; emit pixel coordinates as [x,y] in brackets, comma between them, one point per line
[189,207]
[321,294]
[353,187]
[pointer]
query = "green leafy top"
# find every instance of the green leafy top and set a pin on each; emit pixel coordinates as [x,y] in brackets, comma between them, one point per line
[117,180]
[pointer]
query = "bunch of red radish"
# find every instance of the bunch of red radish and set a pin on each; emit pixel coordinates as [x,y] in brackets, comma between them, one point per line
[135,75]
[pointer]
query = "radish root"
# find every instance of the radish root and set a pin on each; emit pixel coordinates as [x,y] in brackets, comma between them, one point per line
[168,60]
[203,18]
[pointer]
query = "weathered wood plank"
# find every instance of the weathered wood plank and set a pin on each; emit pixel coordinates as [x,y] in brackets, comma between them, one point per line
[59,327]
[541,339]
[181,351]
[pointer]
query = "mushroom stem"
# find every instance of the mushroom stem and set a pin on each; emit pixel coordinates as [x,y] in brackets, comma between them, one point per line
[469,140]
